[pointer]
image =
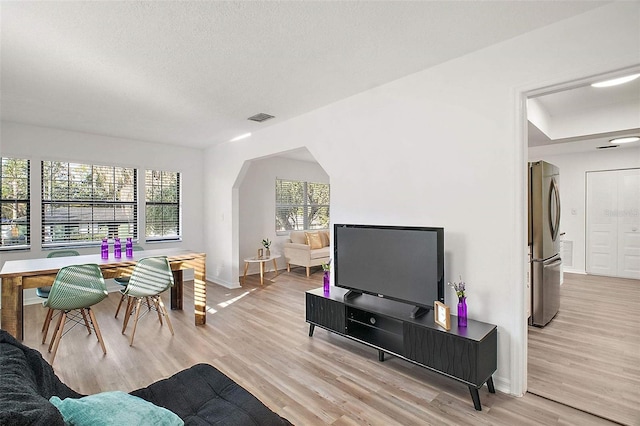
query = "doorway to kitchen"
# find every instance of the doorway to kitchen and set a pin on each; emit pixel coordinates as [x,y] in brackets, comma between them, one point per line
[581,358]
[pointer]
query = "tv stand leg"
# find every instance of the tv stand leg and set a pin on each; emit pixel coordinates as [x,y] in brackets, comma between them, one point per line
[490,385]
[380,356]
[311,328]
[476,398]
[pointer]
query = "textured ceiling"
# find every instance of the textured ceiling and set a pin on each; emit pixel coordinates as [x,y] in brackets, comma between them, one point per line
[190,73]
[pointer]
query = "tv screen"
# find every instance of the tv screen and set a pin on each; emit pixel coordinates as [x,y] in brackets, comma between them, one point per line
[397,262]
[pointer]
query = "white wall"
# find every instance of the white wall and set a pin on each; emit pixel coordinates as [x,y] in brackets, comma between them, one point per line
[573,169]
[41,143]
[257,202]
[442,147]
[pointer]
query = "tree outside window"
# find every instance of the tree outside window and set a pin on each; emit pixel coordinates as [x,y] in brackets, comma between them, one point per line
[84,203]
[301,205]
[14,202]
[162,196]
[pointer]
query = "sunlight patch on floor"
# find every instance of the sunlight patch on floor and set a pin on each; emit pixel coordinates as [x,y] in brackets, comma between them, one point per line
[228,302]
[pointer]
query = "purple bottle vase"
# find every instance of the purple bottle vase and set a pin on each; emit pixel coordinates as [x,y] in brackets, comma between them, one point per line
[129,247]
[117,249]
[462,312]
[104,249]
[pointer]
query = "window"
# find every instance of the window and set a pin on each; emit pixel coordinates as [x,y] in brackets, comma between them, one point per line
[14,200]
[83,203]
[162,205]
[301,205]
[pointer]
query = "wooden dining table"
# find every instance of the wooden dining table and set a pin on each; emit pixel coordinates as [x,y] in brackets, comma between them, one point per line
[19,275]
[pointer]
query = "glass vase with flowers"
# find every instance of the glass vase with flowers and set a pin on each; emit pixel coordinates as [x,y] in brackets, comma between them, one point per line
[267,244]
[461,292]
[326,267]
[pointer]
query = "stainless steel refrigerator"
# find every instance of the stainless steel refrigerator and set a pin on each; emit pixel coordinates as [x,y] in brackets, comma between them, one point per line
[544,241]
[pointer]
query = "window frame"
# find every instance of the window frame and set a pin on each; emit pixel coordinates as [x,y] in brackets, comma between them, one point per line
[176,206]
[15,201]
[305,206]
[89,206]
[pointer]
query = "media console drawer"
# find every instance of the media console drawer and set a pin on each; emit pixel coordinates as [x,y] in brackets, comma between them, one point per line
[473,362]
[326,313]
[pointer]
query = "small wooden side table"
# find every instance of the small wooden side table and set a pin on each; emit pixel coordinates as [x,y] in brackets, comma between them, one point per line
[262,260]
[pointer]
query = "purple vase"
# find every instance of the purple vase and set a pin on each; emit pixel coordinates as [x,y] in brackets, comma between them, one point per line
[117,249]
[326,283]
[462,312]
[104,249]
[129,248]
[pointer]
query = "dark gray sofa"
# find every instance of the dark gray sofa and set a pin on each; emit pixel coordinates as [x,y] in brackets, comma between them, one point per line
[200,395]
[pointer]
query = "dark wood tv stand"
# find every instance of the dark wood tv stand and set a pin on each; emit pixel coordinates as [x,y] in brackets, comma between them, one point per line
[466,354]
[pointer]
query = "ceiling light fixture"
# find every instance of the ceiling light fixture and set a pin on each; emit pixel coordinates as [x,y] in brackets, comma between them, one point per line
[243,136]
[616,81]
[626,139]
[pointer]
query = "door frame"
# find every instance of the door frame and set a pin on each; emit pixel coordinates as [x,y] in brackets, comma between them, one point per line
[581,77]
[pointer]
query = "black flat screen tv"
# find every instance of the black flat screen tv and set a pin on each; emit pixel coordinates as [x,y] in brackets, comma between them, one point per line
[402,263]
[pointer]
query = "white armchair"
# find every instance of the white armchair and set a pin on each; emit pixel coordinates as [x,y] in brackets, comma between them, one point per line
[307,248]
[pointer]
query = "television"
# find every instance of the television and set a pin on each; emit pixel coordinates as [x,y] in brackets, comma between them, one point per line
[401,263]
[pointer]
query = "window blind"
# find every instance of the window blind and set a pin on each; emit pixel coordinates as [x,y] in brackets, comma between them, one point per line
[301,205]
[83,203]
[162,205]
[15,203]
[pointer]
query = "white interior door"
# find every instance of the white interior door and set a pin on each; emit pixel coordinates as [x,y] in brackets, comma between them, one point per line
[602,227]
[629,223]
[613,222]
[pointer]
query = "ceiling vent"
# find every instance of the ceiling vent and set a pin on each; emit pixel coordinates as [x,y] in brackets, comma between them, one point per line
[607,146]
[260,117]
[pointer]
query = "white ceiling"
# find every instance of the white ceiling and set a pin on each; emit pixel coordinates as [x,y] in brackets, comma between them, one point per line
[191,73]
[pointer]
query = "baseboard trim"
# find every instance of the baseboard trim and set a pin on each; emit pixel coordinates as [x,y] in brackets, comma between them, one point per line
[224,283]
[503,385]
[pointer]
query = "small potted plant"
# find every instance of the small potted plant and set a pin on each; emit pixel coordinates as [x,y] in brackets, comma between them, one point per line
[267,243]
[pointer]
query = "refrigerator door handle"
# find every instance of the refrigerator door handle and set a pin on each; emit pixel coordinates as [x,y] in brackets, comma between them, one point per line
[554,263]
[554,209]
[548,262]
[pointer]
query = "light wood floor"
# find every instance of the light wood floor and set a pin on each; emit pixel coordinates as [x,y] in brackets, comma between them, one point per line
[588,357]
[258,336]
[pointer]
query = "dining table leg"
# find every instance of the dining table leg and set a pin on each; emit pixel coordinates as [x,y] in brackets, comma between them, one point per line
[176,290]
[12,307]
[199,266]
